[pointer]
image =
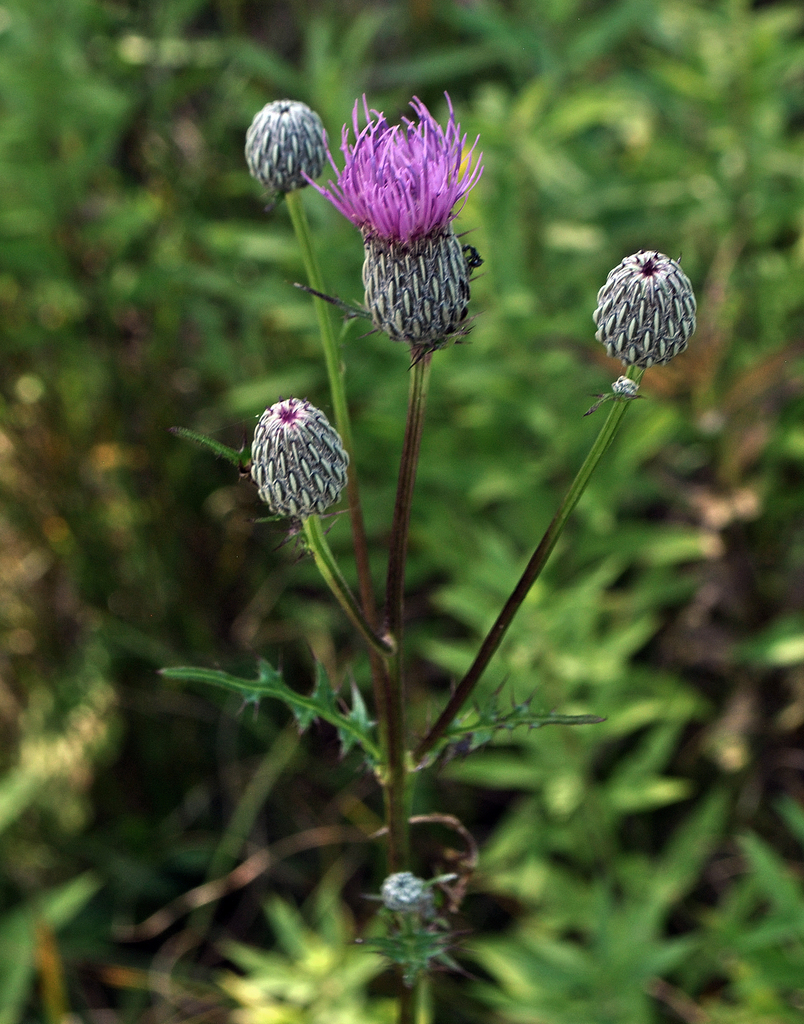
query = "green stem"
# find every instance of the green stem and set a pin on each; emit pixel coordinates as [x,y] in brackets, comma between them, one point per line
[407,1005]
[304,237]
[421,994]
[335,374]
[328,567]
[529,577]
[395,737]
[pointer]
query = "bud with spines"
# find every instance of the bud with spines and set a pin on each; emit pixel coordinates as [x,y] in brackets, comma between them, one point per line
[298,461]
[646,310]
[285,146]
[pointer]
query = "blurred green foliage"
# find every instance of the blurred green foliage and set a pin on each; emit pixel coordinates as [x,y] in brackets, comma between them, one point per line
[644,870]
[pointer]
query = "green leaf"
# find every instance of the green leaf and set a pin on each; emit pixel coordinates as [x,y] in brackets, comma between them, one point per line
[18,789]
[780,645]
[479,726]
[239,459]
[353,727]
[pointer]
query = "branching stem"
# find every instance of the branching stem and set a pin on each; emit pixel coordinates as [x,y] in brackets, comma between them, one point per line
[396,781]
[329,569]
[529,576]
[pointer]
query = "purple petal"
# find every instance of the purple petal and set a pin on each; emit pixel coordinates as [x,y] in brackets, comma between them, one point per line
[402,182]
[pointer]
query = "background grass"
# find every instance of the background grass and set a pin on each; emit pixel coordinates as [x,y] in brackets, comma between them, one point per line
[644,870]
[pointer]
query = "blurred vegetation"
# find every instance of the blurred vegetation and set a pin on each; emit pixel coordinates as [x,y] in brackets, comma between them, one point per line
[645,870]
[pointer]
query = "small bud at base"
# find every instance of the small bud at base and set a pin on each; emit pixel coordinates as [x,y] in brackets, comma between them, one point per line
[624,387]
[404,893]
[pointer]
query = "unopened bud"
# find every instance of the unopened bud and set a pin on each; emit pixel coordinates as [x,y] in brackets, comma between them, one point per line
[646,310]
[285,142]
[297,460]
[405,893]
[624,387]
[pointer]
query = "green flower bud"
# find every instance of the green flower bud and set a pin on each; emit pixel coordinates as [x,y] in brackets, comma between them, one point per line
[298,461]
[285,142]
[646,310]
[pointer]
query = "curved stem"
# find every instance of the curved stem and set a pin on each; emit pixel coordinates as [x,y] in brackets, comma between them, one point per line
[529,576]
[328,567]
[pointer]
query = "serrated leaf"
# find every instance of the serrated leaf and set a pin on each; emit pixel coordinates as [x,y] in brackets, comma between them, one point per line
[359,717]
[479,726]
[322,698]
[353,728]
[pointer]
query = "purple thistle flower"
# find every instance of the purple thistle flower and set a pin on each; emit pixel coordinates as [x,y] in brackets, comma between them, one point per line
[401,185]
[402,182]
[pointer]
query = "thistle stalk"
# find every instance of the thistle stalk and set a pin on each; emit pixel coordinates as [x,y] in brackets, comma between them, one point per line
[395,731]
[328,567]
[335,376]
[534,567]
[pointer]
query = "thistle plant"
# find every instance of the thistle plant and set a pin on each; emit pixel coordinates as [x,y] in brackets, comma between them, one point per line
[402,186]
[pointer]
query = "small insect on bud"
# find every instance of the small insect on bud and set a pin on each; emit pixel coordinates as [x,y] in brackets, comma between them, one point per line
[646,310]
[405,893]
[297,460]
[285,142]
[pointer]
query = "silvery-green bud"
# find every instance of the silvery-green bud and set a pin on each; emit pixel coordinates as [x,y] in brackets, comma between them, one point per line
[646,310]
[405,893]
[417,291]
[285,141]
[297,459]
[624,387]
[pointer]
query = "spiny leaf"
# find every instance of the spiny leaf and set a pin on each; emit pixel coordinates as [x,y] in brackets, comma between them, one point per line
[322,701]
[359,722]
[415,950]
[353,728]
[358,716]
[238,459]
[479,726]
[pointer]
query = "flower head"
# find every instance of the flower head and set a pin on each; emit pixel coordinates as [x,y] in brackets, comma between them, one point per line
[285,145]
[297,459]
[405,893]
[646,310]
[400,186]
[401,182]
